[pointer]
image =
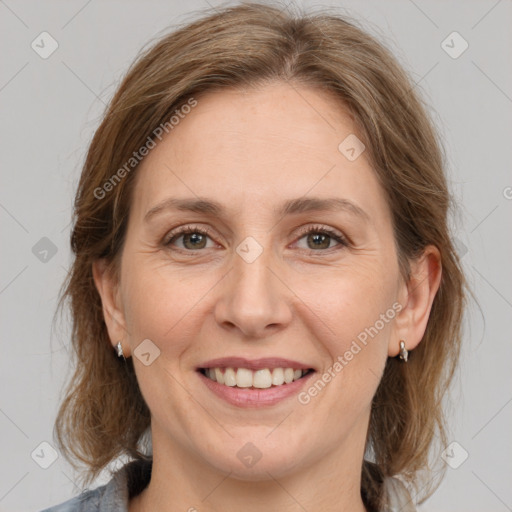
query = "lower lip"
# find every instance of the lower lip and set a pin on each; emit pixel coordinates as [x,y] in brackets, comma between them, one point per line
[246,397]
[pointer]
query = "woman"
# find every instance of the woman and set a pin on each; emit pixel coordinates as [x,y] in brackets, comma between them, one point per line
[266,300]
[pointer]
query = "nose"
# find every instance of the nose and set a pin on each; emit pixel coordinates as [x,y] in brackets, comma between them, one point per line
[254,298]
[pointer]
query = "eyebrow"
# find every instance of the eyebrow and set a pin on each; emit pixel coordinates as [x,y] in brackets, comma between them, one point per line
[291,207]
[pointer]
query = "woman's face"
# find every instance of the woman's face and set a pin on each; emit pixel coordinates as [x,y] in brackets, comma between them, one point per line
[265,285]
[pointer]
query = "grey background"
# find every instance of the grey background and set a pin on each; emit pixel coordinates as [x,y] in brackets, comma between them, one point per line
[49,110]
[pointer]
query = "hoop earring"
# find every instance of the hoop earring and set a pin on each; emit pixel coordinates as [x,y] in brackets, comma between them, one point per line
[404,353]
[120,350]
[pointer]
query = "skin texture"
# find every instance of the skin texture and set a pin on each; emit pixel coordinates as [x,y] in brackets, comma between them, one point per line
[251,151]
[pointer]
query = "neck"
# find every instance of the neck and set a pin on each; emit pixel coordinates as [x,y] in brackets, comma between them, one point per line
[182,482]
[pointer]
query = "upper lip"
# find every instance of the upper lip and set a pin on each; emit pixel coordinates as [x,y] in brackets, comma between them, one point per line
[254,364]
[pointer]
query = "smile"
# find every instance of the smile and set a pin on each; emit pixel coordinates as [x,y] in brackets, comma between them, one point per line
[263,378]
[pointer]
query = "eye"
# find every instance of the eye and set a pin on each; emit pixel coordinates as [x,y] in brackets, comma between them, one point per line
[320,238]
[193,237]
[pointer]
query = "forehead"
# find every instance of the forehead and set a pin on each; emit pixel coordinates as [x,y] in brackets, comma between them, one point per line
[256,147]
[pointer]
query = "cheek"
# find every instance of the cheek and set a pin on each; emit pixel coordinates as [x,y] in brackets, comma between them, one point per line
[350,314]
[345,301]
[162,305]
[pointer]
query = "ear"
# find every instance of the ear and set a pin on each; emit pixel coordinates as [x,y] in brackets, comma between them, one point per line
[112,309]
[417,296]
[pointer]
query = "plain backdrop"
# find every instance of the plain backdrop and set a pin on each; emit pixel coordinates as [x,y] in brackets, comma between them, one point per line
[50,108]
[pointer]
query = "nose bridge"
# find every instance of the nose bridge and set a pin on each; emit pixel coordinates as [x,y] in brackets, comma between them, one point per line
[252,278]
[251,264]
[253,297]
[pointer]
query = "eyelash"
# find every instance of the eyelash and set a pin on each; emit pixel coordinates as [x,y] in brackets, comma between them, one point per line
[173,236]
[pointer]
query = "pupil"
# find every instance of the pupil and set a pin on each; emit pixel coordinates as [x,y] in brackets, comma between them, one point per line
[322,238]
[319,240]
[193,237]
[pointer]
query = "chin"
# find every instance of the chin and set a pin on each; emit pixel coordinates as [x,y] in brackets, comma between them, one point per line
[258,459]
[261,470]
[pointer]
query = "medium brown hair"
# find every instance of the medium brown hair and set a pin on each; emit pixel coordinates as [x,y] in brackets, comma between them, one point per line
[103,414]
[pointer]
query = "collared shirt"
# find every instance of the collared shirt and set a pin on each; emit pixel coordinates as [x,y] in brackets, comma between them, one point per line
[114,496]
[133,477]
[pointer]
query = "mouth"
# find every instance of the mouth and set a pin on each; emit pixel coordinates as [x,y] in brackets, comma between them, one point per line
[246,378]
[254,383]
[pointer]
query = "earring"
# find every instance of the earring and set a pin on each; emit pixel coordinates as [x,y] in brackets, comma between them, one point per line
[404,353]
[120,350]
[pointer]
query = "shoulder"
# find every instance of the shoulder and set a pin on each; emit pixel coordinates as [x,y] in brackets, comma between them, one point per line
[113,496]
[88,501]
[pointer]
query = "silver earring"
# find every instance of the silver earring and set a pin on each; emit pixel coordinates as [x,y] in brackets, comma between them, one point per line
[120,350]
[404,353]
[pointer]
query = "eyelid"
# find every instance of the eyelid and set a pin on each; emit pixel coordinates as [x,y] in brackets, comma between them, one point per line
[183,230]
[332,232]
[338,236]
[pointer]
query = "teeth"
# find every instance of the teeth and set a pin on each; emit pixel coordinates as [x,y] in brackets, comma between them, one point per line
[278,376]
[243,378]
[218,376]
[229,377]
[261,379]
